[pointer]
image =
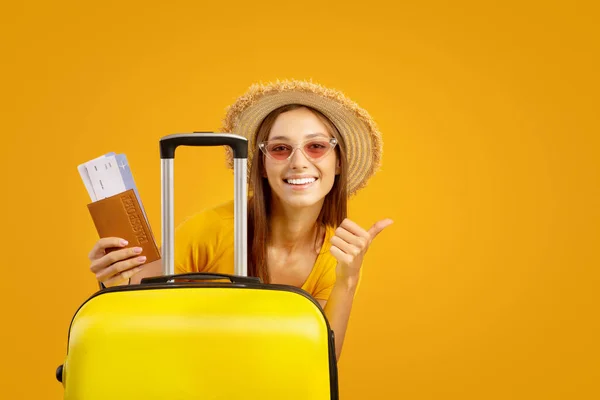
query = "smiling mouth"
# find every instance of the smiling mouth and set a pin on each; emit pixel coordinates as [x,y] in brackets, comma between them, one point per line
[300,182]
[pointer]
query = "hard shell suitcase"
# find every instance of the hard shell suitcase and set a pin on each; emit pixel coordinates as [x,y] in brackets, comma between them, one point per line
[201,338]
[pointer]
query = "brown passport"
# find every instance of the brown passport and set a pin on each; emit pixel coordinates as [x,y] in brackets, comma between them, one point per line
[121,216]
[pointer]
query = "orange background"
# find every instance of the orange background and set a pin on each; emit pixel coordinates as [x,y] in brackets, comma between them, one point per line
[486,285]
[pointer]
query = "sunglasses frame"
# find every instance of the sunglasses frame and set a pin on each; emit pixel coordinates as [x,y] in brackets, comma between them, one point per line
[263,147]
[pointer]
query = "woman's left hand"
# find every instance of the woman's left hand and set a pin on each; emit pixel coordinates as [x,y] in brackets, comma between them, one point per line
[350,244]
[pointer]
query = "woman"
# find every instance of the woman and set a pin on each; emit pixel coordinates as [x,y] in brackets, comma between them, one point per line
[310,148]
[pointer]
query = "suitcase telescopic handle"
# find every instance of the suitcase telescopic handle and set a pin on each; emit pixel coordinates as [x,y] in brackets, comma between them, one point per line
[239,145]
[202,276]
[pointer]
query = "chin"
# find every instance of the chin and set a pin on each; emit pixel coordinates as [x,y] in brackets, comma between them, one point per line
[297,200]
[298,203]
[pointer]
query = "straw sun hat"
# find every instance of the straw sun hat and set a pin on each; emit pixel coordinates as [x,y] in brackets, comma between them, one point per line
[358,130]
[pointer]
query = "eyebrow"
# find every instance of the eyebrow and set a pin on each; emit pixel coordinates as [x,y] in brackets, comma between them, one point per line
[312,135]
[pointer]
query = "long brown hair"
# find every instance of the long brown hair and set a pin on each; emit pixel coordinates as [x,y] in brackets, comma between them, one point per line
[332,212]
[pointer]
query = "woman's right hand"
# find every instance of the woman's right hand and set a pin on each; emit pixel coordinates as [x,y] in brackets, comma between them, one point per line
[118,266]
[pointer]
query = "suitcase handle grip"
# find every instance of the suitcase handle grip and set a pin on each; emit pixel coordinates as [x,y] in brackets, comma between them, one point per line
[59,373]
[238,144]
[202,276]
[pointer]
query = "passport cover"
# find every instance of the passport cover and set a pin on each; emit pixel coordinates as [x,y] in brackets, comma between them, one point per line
[121,216]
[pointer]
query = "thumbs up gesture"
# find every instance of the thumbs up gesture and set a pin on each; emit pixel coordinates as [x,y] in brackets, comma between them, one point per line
[350,243]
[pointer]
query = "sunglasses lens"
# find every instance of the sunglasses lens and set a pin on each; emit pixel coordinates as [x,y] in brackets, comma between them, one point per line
[279,151]
[317,148]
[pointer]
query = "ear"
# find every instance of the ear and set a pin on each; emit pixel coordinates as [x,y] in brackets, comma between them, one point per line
[338,167]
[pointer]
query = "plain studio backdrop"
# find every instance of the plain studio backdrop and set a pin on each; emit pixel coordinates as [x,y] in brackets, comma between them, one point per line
[486,285]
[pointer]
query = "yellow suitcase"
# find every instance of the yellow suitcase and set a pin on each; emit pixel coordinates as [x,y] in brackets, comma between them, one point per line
[200,336]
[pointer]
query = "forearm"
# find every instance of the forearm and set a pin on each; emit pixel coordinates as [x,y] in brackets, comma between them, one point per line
[338,308]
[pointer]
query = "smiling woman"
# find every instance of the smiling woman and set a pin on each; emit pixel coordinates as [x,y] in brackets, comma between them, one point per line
[310,148]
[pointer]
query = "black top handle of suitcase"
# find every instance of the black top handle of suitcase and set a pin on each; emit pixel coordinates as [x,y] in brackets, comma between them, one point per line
[201,276]
[169,143]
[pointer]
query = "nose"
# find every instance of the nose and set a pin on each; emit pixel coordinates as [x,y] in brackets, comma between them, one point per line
[298,160]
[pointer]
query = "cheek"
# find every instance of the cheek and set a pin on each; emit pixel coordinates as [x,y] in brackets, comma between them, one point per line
[329,169]
[332,165]
[270,170]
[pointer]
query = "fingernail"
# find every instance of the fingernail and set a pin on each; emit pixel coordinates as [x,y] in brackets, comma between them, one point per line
[137,250]
[142,258]
[124,242]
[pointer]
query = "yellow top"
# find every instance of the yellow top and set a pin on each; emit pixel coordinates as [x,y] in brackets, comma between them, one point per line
[204,243]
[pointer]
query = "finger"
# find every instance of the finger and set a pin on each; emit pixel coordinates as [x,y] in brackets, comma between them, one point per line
[113,257]
[345,246]
[101,245]
[119,267]
[122,269]
[349,237]
[354,228]
[340,255]
[379,226]
[123,277]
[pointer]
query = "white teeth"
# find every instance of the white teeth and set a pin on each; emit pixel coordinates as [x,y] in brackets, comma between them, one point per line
[302,181]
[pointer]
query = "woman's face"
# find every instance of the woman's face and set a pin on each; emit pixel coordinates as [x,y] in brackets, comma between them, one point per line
[300,181]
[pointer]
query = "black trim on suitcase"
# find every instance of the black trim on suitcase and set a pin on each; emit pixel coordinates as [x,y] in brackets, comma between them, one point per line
[201,275]
[333,372]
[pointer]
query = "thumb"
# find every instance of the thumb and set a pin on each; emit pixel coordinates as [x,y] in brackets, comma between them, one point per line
[379,226]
